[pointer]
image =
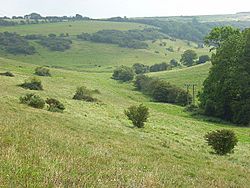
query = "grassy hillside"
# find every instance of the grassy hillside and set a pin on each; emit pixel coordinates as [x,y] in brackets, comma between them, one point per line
[192,75]
[73,28]
[93,145]
[96,57]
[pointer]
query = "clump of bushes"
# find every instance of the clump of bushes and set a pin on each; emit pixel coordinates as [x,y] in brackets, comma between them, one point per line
[138,115]
[54,43]
[32,84]
[82,93]
[123,74]
[33,100]
[15,44]
[7,74]
[42,71]
[159,67]
[174,63]
[140,68]
[55,105]
[162,91]
[222,141]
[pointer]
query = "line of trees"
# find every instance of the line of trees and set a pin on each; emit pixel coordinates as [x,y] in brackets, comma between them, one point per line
[162,91]
[128,39]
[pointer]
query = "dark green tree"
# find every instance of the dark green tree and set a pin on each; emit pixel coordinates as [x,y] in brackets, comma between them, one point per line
[188,58]
[226,92]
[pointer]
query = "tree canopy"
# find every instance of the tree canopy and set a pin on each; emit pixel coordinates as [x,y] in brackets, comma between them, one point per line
[226,92]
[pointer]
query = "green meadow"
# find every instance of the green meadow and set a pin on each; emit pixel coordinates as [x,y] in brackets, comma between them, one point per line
[93,144]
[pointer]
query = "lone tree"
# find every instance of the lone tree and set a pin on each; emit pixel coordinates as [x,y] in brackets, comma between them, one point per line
[138,115]
[226,92]
[222,141]
[188,58]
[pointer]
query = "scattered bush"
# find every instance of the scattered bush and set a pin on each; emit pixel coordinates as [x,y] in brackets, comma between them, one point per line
[123,73]
[7,74]
[222,141]
[42,71]
[170,49]
[140,68]
[82,93]
[174,63]
[159,67]
[55,105]
[33,100]
[32,84]
[203,59]
[138,115]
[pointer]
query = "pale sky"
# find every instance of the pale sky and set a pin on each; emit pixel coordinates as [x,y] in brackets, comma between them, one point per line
[129,8]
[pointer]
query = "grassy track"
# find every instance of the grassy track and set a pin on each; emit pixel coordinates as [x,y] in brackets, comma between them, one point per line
[93,145]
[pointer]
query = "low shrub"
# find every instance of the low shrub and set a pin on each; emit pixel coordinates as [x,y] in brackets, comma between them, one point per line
[159,67]
[32,84]
[42,71]
[82,93]
[55,105]
[140,68]
[32,100]
[174,63]
[123,74]
[203,59]
[138,115]
[7,74]
[222,141]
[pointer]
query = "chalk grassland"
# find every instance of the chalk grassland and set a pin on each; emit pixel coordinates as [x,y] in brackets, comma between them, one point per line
[93,144]
[191,75]
[96,57]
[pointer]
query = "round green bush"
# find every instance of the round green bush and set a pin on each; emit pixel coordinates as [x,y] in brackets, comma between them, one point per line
[42,71]
[123,74]
[33,100]
[138,115]
[222,141]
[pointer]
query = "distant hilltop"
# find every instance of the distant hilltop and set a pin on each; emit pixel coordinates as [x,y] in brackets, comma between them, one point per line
[243,12]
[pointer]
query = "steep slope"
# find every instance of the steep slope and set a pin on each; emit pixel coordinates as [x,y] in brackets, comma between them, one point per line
[93,145]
